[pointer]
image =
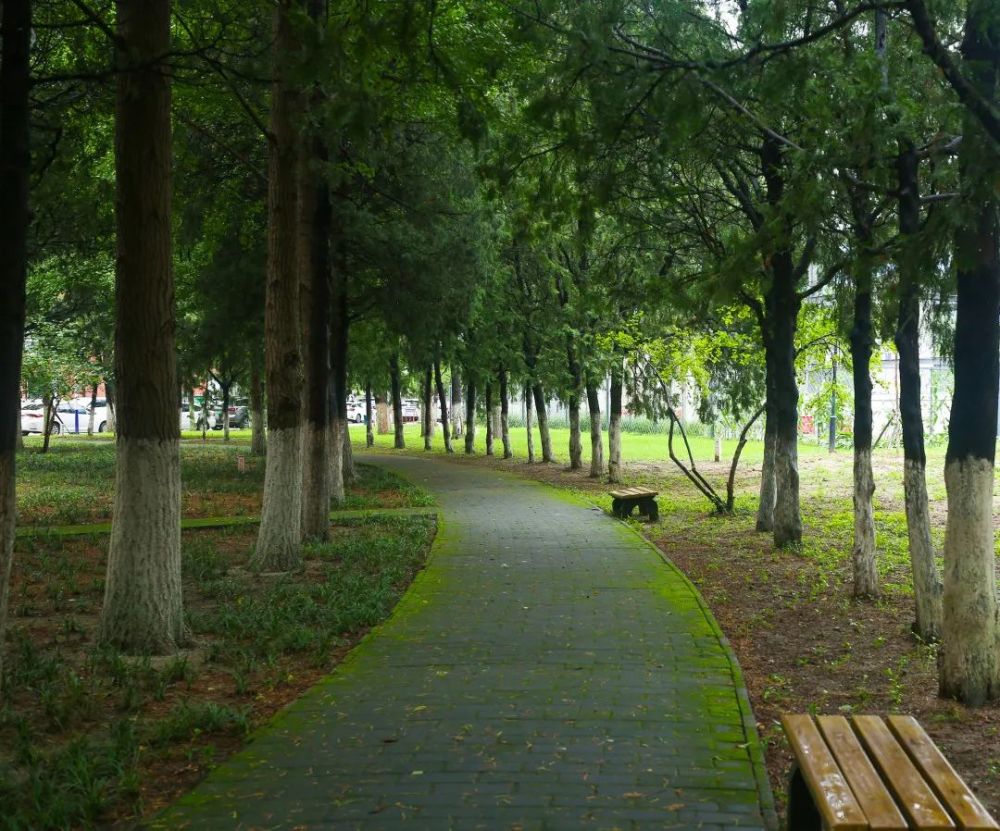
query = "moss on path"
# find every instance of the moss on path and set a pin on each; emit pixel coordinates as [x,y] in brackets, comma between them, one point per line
[547,670]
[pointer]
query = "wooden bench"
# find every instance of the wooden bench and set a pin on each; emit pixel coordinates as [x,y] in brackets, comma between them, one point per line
[624,501]
[867,773]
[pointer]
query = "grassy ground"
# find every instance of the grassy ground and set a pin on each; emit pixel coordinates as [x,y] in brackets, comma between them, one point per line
[73,483]
[803,643]
[90,737]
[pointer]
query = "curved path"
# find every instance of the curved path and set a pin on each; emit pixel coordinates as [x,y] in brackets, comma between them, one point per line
[547,670]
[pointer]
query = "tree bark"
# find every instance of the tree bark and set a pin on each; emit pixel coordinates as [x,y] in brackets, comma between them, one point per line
[316,216]
[543,421]
[340,459]
[258,442]
[428,408]
[15,166]
[381,415]
[279,539]
[90,414]
[765,502]
[615,423]
[489,418]
[781,311]
[504,414]
[927,587]
[442,400]
[866,583]
[143,607]
[369,435]
[456,402]
[573,405]
[397,402]
[350,474]
[527,424]
[969,669]
[470,415]
[596,439]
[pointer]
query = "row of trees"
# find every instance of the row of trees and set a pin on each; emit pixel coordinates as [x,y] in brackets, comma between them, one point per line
[513,196]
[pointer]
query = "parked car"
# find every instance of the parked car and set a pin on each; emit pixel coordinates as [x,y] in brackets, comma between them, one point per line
[199,419]
[355,411]
[239,416]
[71,416]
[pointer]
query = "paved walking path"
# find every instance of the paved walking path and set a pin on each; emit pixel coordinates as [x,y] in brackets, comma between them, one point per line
[546,671]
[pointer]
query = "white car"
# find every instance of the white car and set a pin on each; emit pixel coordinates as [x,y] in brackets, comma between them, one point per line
[71,416]
[199,418]
[356,412]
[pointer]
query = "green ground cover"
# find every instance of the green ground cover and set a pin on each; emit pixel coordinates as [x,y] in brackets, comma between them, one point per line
[89,736]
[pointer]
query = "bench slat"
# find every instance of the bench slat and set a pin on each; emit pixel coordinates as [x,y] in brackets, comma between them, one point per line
[837,805]
[913,794]
[631,493]
[950,788]
[867,785]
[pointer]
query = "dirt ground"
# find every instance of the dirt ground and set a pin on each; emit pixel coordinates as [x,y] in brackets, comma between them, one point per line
[804,645]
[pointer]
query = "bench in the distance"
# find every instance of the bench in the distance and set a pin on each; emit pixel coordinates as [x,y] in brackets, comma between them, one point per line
[626,500]
[867,773]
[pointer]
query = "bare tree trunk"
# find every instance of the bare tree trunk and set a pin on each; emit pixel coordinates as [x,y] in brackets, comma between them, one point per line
[969,661]
[543,422]
[381,414]
[927,587]
[442,399]
[143,608]
[90,414]
[335,461]
[225,410]
[340,458]
[397,402]
[470,415]
[15,166]
[765,503]
[279,540]
[428,408]
[596,439]
[456,401]
[489,418]
[866,582]
[316,215]
[369,435]
[505,414]
[258,443]
[350,474]
[527,424]
[615,423]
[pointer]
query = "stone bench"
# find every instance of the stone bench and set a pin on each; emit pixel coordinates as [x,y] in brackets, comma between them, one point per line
[626,500]
[867,773]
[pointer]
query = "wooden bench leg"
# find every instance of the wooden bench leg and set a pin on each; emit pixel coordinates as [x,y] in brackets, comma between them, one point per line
[802,813]
[618,508]
[648,507]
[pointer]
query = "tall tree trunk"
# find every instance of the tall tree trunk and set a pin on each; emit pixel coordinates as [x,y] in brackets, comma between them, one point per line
[615,423]
[863,557]
[143,607]
[381,415]
[969,664]
[341,459]
[573,405]
[926,582]
[489,418]
[781,312]
[397,402]
[456,401]
[15,165]
[504,414]
[765,502]
[428,408]
[527,424]
[442,400]
[258,441]
[470,415]
[369,435]
[90,414]
[279,539]
[316,216]
[596,440]
[543,421]
[225,410]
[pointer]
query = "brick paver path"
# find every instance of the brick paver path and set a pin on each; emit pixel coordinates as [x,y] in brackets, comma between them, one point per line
[547,670]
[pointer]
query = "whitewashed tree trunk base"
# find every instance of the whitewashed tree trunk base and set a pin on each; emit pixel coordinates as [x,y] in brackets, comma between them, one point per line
[863,558]
[596,447]
[336,461]
[768,491]
[143,608]
[349,473]
[926,582]
[787,519]
[968,659]
[8,514]
[279,541]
